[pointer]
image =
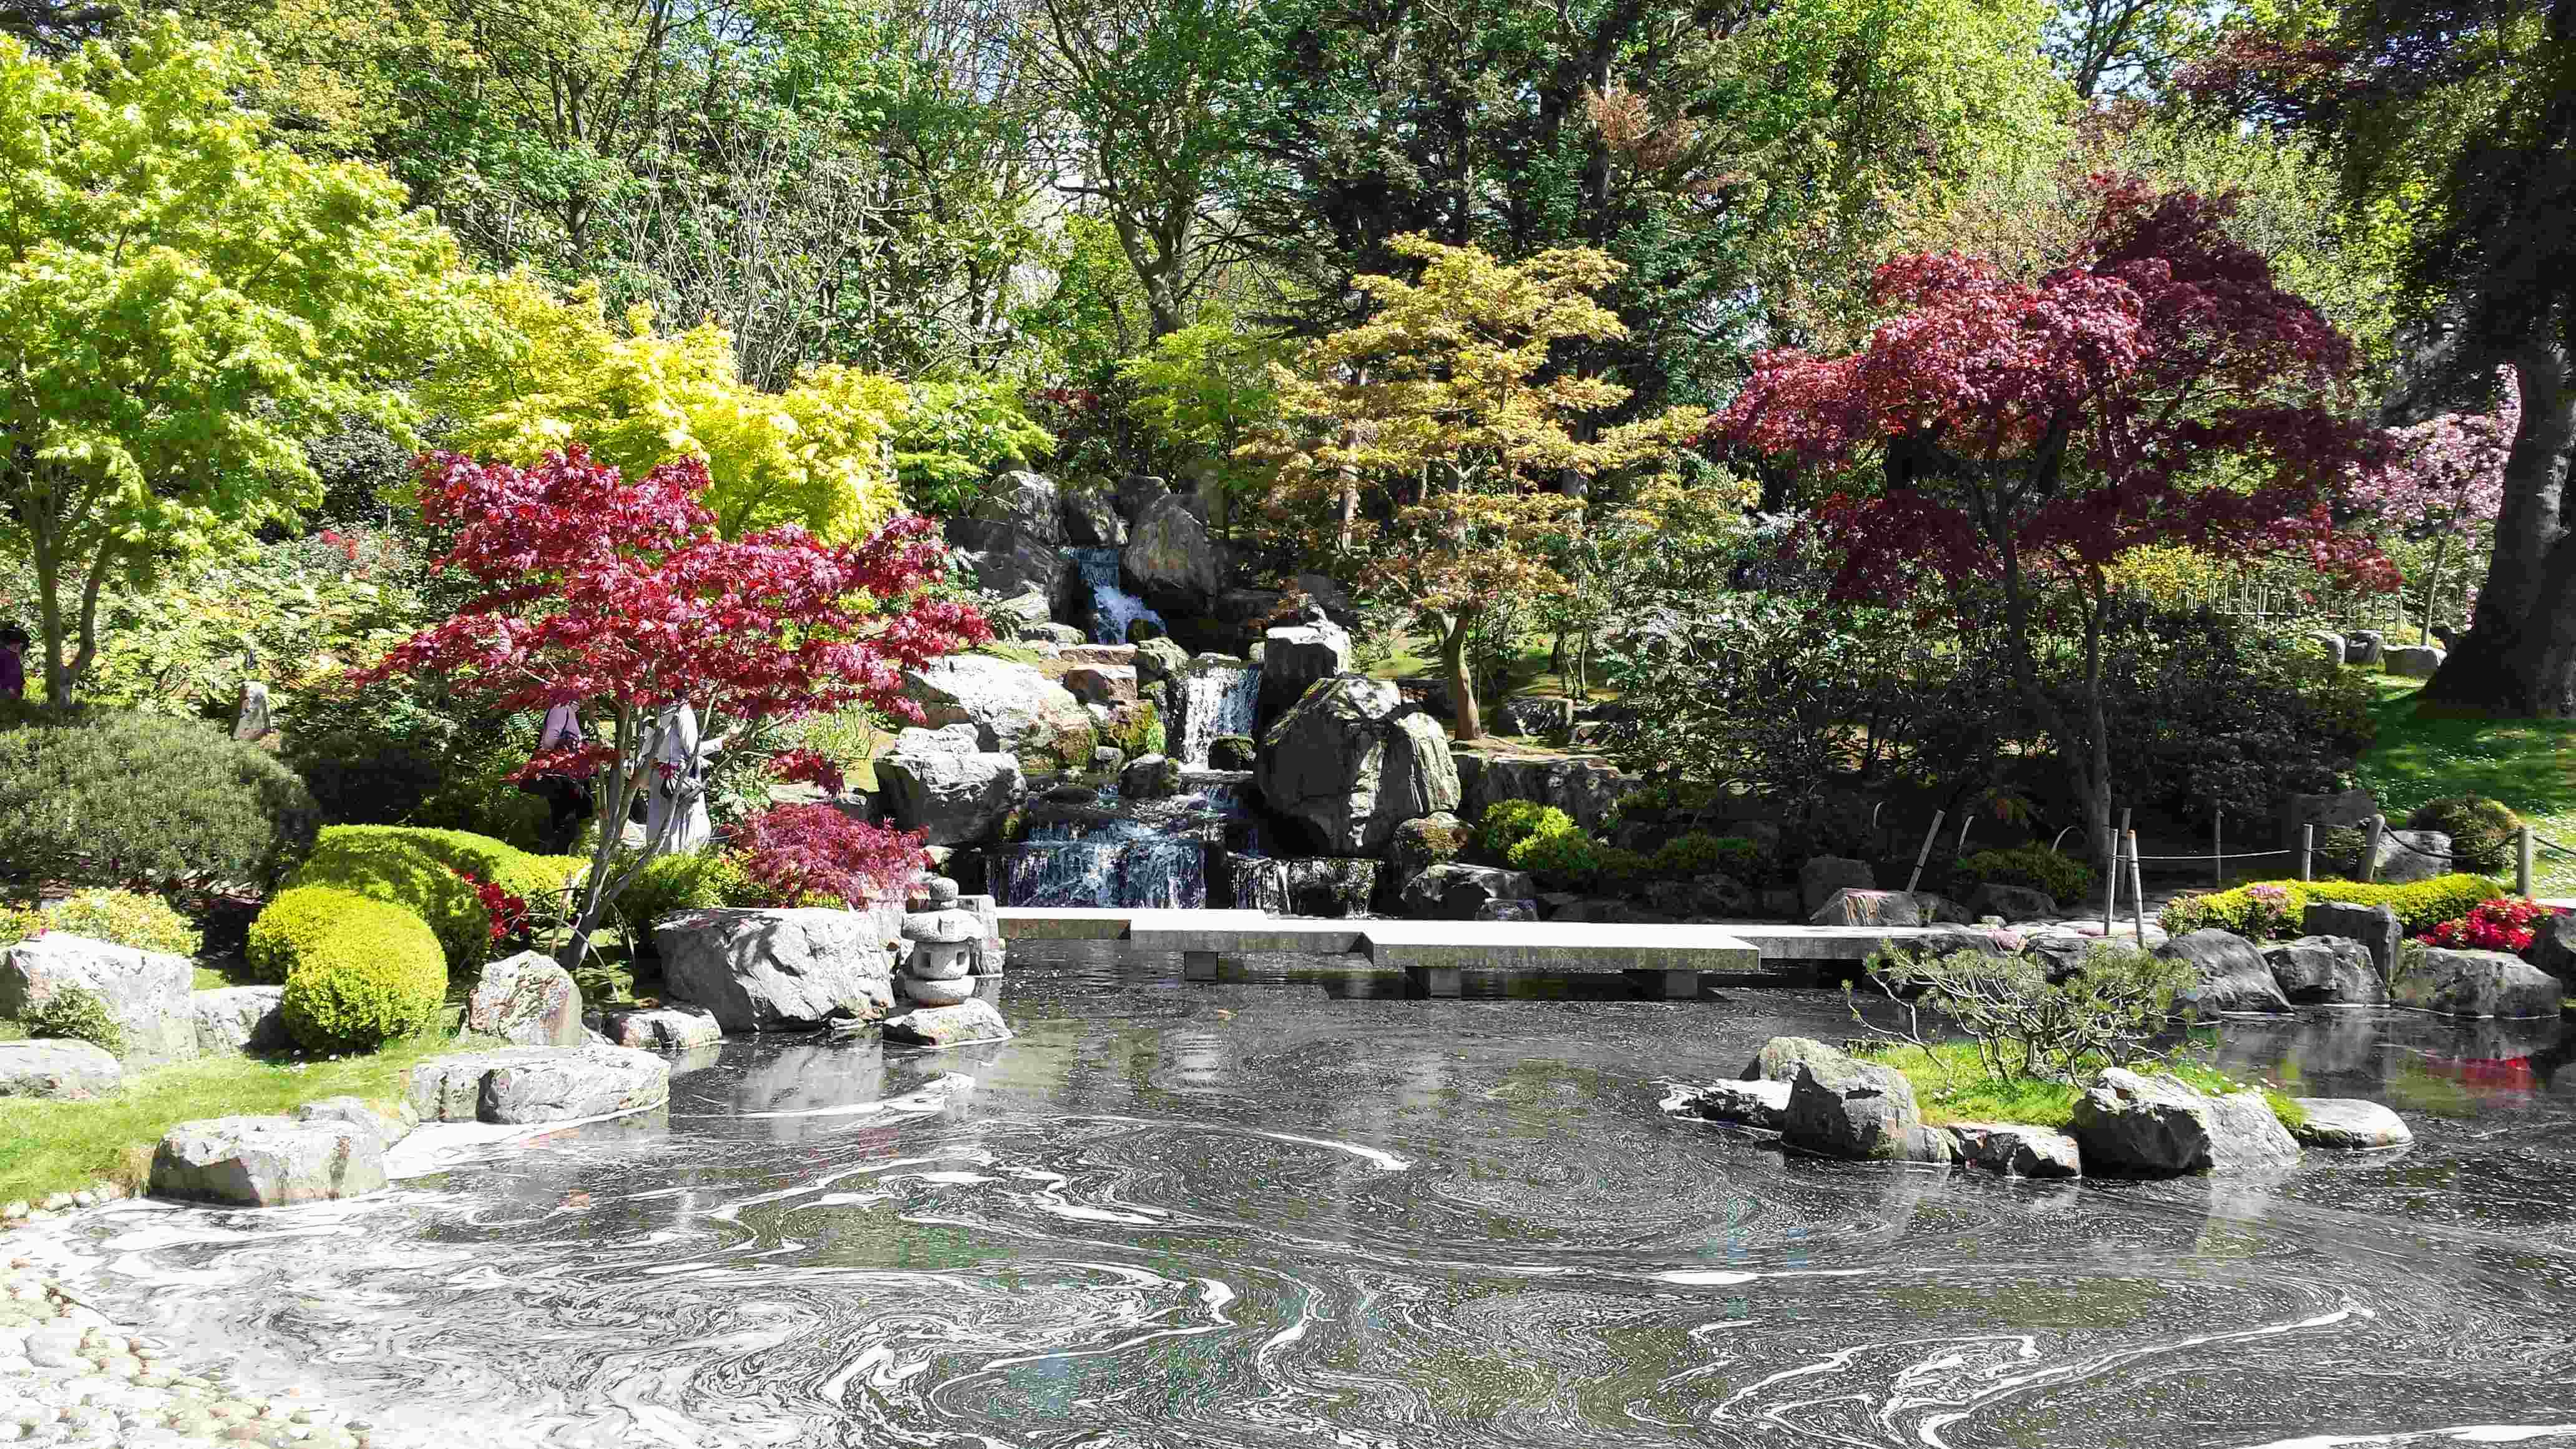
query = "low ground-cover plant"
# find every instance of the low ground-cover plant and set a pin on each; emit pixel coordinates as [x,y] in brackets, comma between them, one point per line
[2506,923]
[128,918]
[1509,823]
[2272,910]
[74,1013]
[2033,867]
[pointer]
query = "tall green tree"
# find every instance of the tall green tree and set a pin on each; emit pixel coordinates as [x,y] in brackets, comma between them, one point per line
[181,302]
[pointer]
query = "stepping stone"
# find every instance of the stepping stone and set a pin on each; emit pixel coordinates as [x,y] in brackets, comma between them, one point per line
[267,1161]
[2349,1124]
[62,1070]
[538,1084]
[964,1024]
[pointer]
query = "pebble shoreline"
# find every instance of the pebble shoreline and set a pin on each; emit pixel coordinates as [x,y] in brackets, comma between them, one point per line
[70,1377]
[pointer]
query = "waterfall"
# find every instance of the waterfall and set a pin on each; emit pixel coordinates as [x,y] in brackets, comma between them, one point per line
[1216,699]
[1145,855]
[1112,607]
[1322,886]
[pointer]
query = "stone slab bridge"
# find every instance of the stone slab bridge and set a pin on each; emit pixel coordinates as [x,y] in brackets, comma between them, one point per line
[1435,954]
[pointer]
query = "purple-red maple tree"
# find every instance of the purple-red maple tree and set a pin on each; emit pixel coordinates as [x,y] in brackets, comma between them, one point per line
[618,594]
[2158,387]
[798,852]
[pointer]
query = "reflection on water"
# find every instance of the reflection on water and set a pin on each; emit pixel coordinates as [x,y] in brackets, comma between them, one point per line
[1305,1211]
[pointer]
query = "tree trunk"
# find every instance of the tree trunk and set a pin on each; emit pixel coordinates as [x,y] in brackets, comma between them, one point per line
[2519,657]
[2432,582]
[1453,672]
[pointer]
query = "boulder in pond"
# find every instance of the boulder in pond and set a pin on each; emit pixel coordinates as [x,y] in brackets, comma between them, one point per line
[1821,876]
[526,1000]
[1752,1103]
[665,1028]
[2473,983]
[2233,974]
[2325,971]
[2376,928]
[2553,946]
[239,1019]
[144,992]
[2017,1149]
[1779,1058]
[778,970]
[537,1084]
[962,1024]
[1456,891]
[2349,1124]
[1349,763]
[387,1123]
[1841,1106]
[1148,777]
[266,1161]
[2126,1123]
[67,1071]
[1233,752]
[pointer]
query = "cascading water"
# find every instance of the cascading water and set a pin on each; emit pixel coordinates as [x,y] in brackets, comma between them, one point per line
[1112,607]
[1113,854]
[1215,699]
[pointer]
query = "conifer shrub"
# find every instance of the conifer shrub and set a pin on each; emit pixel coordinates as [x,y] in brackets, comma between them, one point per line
[2032,867]
[1508,823]
[120,799]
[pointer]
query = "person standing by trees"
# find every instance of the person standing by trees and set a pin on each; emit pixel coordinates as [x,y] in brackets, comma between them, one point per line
[564,787]
[13,667]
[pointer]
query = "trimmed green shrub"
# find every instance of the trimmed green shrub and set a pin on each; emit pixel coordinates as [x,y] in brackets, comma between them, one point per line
[2483,831]
[2033,867]
[670,884]
[75,1013]
[359,972]
[2271,910]
[126,797]
[397,866]
[1573,861]
[1688,857]
[1508,823]
[128,918]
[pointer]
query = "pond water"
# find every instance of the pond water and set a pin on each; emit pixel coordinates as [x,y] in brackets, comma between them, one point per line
[1305,1211]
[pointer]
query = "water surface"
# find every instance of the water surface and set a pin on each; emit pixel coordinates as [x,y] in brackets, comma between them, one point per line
[1305,1211]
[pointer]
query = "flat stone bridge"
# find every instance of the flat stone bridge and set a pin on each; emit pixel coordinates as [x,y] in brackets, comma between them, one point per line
[1434,954]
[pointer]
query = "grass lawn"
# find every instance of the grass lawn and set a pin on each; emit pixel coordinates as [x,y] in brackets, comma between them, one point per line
[50,1147]
[1951,1085]
[2529,764]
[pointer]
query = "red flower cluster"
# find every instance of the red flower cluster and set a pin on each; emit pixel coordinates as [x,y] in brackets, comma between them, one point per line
[508,912]
[794,852]
[2506,923]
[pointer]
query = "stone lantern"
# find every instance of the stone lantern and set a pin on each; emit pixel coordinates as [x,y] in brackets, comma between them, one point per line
[942,940]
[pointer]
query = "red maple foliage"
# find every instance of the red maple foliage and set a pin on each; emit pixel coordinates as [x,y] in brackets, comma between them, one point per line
[2158,387]
[507,911]
[809,767]
[801,852]
[620,595]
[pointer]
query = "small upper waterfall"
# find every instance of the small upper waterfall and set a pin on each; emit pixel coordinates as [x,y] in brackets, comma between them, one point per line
[1216,699]
[1112,607]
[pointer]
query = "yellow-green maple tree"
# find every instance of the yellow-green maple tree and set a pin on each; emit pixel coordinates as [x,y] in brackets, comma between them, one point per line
[1434,457]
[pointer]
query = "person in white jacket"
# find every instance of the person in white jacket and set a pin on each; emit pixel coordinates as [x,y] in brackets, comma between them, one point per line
[675,798]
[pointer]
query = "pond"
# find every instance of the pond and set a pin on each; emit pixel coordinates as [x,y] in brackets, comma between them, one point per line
[1306,1211]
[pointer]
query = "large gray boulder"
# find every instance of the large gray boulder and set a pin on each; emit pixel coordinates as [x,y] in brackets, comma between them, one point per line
[2016,1149]
[1015,709]
[1849,907]
[538,1084]
[1349,763]
[2348,1124]
[2473,983]
[1457,891]
[1754,1103]
[61,1070]
[387,1123]
[1780,1057]
[526,1000]
[1171,558]
[943,783]
[1148,777]
[2414,661]
[1711,897]
[778,970]
[1297,658]
[2325,971]
[145,992]
[1587,789]
[2413,855]
[2375,928]
[1435,839]
[1840,1106]
[1029,502]
[963,1024]
[1018,566]
[2553,946]
[1823,875]
[661,1028]
[2233,974]
[1139,491]
[233,1019]
[2159,1126]
[2362,646]
[1091,518]
[1537,716]
[266,1161]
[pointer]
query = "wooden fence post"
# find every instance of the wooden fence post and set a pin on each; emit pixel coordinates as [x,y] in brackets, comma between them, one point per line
[2307,850]
[1925,853]
[2522,862]
[2111,891]
[2137,892]
[2217,849]
[2370,851]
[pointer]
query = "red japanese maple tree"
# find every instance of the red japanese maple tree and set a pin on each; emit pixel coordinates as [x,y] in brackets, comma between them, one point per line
[2159,387]
[619,594]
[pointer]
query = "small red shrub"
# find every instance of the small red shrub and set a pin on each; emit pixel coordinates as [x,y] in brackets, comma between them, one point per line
[793,852]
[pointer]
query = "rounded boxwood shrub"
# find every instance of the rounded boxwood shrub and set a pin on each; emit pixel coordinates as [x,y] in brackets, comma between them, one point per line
[417,868]
[2033,867]
[2483,832]
[119,798]
[128,918]
[1508,823]
[359,972]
